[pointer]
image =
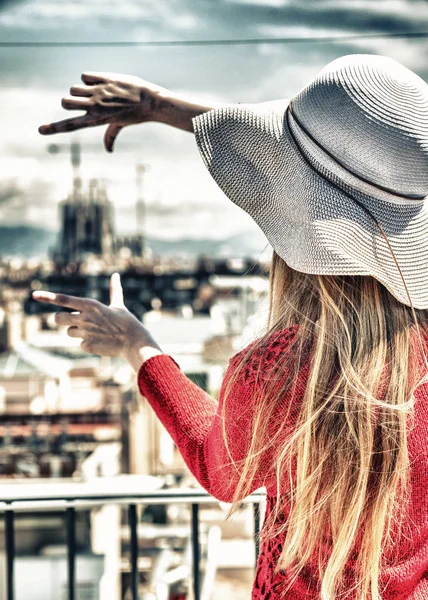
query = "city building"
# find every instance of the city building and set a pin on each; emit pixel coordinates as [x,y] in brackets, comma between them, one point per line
[74,425]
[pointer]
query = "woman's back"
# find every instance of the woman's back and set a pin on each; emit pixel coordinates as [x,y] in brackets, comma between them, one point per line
[182,407]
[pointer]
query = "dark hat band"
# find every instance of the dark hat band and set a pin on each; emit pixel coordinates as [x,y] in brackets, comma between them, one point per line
[299,124]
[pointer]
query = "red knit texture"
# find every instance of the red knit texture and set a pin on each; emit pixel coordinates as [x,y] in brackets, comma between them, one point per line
[192,418]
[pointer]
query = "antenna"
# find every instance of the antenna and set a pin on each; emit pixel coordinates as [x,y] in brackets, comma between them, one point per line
[141,169]
[75,155]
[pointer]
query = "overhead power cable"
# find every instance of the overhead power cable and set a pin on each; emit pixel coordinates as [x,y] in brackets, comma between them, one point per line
[221,42]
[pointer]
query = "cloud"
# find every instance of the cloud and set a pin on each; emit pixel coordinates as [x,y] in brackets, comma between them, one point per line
[410,53]
[274,3]
[224,17]
[57,14]
[5,3]
[341,16]
[361,15]
[9,191]
[182,199]
[26,201]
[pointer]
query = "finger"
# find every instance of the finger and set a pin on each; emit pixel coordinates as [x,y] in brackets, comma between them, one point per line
[87,347]
[76,332]
[116,291]
[110,135]
[65,318]
[81,90]
[65,125]
[93,77]
[72,124]
[73,103]
[63,300]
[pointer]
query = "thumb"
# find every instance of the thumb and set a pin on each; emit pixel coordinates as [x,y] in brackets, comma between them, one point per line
[116,291]
[110,135]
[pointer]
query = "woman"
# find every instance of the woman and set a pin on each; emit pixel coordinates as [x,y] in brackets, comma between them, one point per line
[318,409]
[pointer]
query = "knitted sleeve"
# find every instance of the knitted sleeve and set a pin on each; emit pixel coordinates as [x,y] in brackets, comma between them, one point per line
[192,418]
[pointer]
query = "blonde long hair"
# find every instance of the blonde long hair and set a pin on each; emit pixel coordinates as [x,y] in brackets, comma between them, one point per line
[349,442]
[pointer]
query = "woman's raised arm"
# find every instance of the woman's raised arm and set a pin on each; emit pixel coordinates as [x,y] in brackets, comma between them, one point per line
[119,100]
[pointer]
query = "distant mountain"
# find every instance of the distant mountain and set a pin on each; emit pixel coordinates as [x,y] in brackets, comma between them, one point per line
[30,241]
[25,241]
[239,245]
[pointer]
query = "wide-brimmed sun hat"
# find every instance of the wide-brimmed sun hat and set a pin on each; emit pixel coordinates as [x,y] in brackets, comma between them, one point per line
[336,177]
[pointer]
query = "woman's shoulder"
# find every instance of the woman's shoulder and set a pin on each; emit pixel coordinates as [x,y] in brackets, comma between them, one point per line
[274,344]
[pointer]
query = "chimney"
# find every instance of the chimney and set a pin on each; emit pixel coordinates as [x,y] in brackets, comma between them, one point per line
[10,329]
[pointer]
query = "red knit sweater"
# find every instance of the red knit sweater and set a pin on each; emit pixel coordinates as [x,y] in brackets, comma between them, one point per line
[192,418]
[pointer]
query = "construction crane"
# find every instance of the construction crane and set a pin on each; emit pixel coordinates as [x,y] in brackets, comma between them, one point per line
[75,150]
[75,154]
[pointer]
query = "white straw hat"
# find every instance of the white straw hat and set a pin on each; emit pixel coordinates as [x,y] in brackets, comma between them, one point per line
[337,177]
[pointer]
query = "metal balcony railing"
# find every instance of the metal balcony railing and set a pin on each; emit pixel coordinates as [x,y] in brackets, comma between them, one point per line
[69,497]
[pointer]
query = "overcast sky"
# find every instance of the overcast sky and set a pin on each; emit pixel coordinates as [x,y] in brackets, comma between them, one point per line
[182,201]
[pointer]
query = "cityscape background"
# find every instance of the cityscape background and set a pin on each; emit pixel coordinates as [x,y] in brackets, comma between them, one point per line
[194,267]
[182,201]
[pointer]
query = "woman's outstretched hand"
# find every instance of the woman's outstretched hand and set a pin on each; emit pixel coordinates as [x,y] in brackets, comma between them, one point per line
[112,99]
[105,330]
[120,100]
